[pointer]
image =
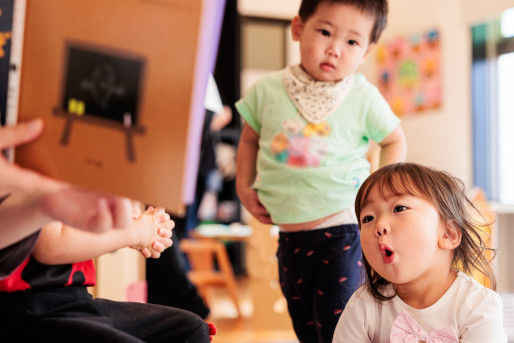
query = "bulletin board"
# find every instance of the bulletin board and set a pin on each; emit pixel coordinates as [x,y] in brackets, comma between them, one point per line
[409,73]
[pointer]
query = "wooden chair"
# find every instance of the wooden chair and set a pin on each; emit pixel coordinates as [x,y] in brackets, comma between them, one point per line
[202,254]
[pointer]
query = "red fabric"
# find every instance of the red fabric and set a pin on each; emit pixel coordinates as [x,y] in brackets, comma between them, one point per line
[32,274]
[87,268]
[14,281]
[212,330]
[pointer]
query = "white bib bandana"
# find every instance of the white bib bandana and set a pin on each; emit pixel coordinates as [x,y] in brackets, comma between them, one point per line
[315,100]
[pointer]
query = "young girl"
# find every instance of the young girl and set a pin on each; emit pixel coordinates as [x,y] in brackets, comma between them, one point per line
[301,157]
[417,231]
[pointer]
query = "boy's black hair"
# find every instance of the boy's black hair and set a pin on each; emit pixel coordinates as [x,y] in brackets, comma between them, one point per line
[376,8]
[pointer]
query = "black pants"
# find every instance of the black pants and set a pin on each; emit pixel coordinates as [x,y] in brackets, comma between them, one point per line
[319,270]
[71,315]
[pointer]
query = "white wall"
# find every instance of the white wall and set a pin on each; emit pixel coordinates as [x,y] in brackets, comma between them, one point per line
[283,9]
[439,138]
[443,138]
[479,10]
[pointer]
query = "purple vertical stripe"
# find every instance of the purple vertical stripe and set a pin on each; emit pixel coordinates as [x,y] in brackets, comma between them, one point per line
[210,29]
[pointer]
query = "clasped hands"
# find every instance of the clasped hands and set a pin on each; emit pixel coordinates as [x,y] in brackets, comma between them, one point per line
[155,229]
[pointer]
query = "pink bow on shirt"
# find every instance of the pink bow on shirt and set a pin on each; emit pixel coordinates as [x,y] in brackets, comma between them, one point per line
[406,330]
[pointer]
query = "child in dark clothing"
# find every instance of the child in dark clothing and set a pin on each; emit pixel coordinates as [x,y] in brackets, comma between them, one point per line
[46,298]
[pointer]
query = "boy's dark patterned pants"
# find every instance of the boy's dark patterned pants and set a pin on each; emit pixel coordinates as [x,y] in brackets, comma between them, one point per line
[319,270]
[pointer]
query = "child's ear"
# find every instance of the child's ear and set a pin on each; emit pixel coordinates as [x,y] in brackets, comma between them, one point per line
[296,28]
[450,236]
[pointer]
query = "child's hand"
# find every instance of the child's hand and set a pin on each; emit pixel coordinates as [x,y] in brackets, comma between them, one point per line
[251,202]
[152,232]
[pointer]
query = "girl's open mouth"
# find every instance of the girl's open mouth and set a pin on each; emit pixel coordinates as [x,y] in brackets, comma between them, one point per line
[387,253]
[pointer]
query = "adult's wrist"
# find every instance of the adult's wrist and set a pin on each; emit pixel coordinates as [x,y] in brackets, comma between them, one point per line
[21,214]
[35,204]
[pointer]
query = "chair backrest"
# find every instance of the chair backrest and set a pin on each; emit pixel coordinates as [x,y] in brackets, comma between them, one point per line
[199,253]
[202,254]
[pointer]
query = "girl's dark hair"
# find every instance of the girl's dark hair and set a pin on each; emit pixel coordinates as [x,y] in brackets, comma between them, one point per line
[376,8]
[447,194]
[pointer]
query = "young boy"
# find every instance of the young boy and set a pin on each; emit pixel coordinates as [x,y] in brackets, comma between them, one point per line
[301,157]
[45,298]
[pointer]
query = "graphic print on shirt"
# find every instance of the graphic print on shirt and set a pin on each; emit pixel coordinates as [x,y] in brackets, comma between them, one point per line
[406,329]
[301,144]
[31,274]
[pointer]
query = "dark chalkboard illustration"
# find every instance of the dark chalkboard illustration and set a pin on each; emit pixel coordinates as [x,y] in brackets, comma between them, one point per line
[102,88]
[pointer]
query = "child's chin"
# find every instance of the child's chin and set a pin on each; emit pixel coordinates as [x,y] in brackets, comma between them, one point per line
[393,277]
[329,77]
[398,279]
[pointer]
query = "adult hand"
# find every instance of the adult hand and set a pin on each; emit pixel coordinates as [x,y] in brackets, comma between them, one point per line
[12,177]
[38,199]
[85,209]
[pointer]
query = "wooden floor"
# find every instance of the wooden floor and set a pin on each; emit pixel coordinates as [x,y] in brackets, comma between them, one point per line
[248,329]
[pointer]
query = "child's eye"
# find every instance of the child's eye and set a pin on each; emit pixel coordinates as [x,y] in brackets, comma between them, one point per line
[353,42]
[324,32]
[399,208]
[367,219]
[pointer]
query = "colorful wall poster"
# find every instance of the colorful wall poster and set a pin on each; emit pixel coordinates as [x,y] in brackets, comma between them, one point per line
[409,73]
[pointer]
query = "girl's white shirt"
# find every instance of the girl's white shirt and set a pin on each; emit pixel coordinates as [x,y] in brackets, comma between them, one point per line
[473,312]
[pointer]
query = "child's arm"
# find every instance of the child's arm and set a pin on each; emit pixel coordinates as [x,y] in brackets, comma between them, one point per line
[245,174]
[61,244]
[23,213]
[393,148]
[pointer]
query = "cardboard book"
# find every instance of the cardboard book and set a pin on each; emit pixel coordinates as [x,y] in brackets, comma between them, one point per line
[120,86]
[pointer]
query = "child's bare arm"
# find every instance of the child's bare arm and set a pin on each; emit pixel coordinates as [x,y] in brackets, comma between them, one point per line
[61,244]
[246,172]
[393,148]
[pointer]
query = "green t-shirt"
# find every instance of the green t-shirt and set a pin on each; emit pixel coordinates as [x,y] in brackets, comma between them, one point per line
[308,171]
